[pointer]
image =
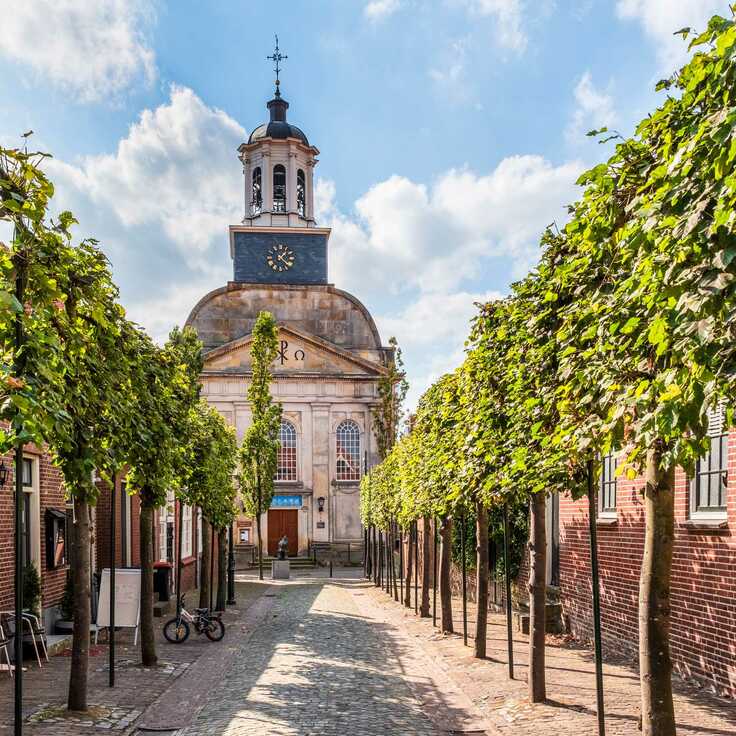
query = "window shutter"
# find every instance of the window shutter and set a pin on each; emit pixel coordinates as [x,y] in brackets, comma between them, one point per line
[717,419]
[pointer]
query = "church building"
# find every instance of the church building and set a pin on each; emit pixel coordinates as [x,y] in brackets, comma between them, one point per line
[330,355]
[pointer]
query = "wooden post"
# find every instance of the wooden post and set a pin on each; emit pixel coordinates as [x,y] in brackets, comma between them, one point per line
[416,567]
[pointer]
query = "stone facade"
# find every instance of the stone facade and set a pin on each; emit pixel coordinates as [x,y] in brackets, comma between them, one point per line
[330,356]
[330,359]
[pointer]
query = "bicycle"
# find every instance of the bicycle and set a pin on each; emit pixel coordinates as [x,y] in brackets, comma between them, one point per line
[176,630]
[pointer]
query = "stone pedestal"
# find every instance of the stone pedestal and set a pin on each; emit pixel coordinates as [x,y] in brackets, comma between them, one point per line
[280,570]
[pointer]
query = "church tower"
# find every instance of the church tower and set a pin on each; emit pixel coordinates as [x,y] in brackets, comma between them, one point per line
[278,241]
[330,359]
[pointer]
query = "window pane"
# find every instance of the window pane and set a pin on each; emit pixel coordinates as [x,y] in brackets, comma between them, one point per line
[348,451]
[709,486]
[27,472]
[607,489]
[286,458]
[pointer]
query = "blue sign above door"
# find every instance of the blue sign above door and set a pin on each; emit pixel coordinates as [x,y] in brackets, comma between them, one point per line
[286,502]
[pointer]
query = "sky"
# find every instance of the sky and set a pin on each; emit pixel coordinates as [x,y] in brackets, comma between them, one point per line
[451,133]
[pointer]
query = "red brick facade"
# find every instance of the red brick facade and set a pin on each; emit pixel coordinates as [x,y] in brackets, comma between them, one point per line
[703,580]
[48,485]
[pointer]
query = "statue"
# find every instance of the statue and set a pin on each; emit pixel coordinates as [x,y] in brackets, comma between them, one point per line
[283,547]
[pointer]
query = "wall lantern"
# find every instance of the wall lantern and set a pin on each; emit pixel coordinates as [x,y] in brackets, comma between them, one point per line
[321,504]
[3,474]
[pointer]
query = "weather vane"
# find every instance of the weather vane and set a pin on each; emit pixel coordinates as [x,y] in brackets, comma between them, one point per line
[277,57]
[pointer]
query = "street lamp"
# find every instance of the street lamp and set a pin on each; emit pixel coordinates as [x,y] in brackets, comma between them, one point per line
[3,473]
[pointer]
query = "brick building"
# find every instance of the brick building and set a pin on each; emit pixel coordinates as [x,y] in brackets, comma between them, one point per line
[43,541]
[703,570]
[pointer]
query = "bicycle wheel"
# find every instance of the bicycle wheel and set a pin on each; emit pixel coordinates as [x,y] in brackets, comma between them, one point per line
[176,631]
[215,629]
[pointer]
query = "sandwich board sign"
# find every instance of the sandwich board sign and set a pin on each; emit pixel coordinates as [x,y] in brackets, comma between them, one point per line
[127,600]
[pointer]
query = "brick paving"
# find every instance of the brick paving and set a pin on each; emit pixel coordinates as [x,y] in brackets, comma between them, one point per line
[571,705]
[135,688]
[339,657]
[322,663]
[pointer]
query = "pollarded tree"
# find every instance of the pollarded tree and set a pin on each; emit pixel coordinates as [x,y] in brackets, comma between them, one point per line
[99,357]
[259,449]
[65,321]
[170,389]
[483,433]
[649,343]
[208,482]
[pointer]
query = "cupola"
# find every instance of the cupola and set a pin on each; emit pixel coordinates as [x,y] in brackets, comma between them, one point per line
[278,166]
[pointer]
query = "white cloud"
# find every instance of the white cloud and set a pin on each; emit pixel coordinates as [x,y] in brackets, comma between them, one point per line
[378,10]
[431,332]
[593,109]
[176,168]
[508,16]
[95,50]
[405,235]
[450,74]
[661,18]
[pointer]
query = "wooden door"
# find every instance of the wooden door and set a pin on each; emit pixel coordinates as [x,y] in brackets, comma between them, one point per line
[280,522]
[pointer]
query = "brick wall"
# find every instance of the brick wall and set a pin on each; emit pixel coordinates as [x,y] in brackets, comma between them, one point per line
[51,495]
[703,582]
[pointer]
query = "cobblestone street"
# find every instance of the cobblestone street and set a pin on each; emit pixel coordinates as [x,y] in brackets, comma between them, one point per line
[339,657]
[321,663]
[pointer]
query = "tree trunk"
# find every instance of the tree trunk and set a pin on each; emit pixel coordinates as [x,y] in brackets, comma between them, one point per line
[221,570]
[445,562]
[260,547]
[481,587]
[77,699]
[655,665]
[148,636]
[409,566]
[424,608]
[537,597]
[204,570]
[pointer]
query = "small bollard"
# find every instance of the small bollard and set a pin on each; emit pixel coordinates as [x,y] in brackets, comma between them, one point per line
[330,568]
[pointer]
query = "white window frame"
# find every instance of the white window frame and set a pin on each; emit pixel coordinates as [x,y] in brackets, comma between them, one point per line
[186,531]
[165,515]
[716,431]
[610,459]
[297,474]
[360,452]
[33,492]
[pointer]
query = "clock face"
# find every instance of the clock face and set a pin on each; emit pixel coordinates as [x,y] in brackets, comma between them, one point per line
[280,257]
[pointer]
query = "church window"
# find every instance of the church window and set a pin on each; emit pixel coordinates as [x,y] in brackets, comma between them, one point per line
[256,194]
[300,193]
[286,458]
[279,188]
[348,450]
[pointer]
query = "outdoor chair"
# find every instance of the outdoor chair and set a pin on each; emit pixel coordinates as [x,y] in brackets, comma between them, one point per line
[4,641]
[30,625]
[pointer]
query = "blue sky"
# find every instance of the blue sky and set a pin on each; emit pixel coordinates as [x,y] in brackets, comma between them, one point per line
[451,132]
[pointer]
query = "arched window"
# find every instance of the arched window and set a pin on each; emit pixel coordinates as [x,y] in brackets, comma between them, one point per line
[347,439]
[301,200]
[286,458]
[279,188]
[256,201]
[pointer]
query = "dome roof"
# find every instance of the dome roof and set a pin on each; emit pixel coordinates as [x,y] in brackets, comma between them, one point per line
[277,127]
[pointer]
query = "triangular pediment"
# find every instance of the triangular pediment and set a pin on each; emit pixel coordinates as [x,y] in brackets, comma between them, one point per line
[298,353]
